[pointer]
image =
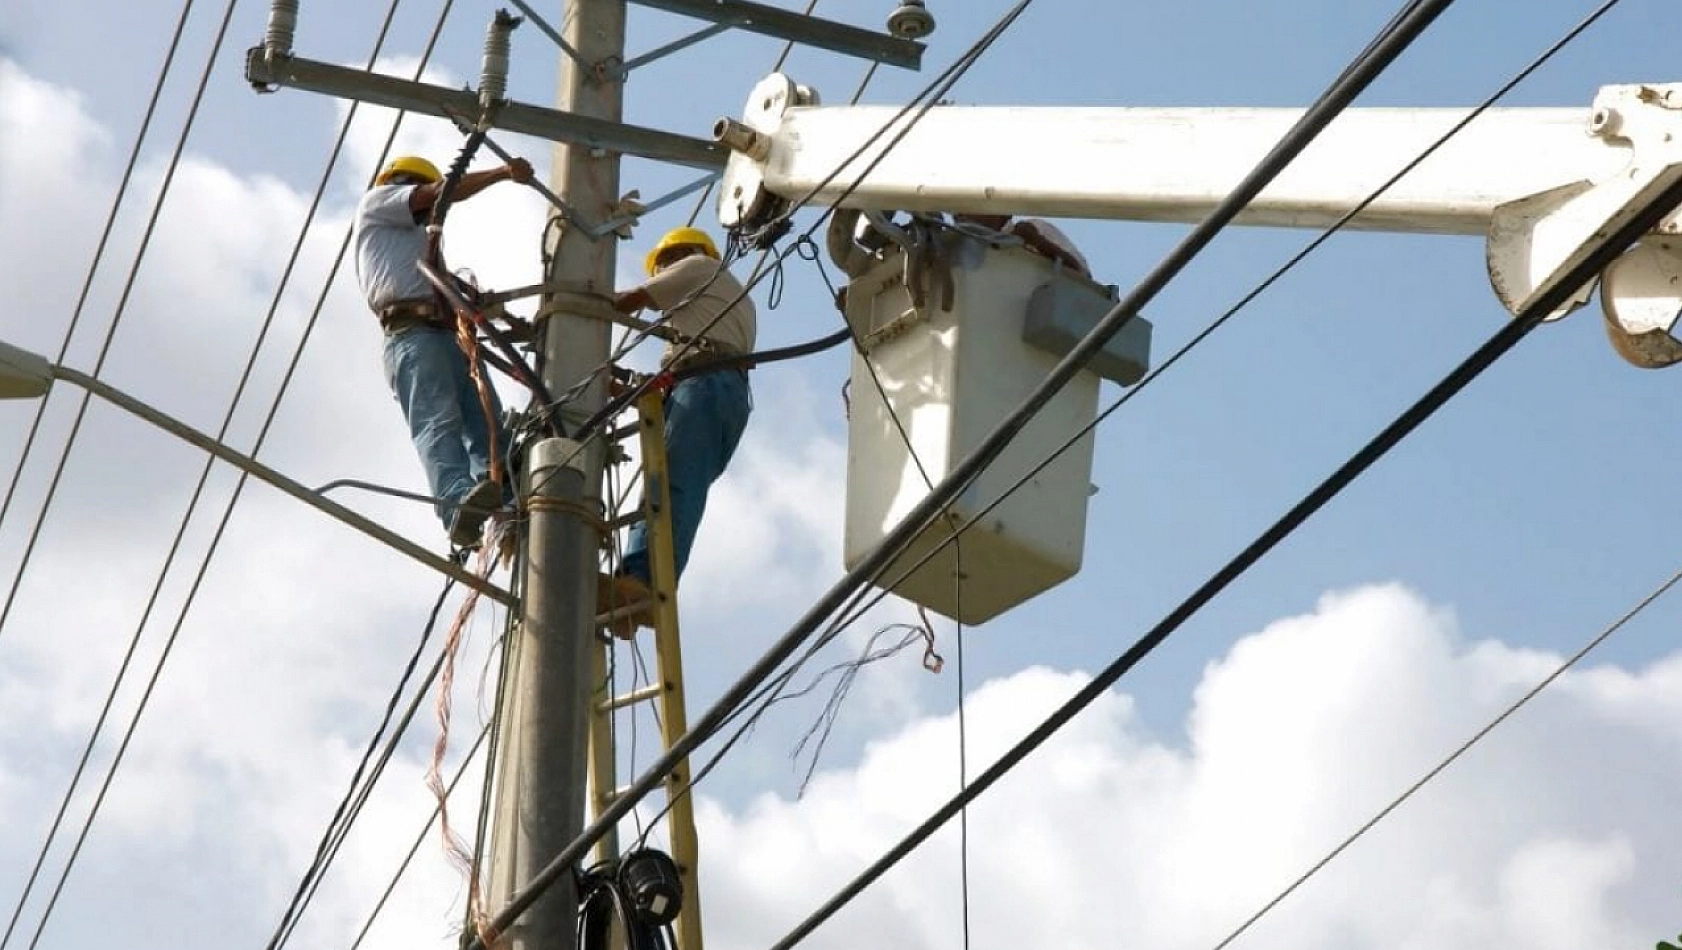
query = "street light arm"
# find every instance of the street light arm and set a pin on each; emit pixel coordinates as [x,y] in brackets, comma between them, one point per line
[24,374]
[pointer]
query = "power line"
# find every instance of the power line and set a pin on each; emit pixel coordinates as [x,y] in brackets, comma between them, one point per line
[1454,756]
[350,806]
[221,528]
[41,407]
[93,269]
[1419,15]
[852,613]
[122,306]
[198,490]
[105,348]
[1485,356]
[420,838]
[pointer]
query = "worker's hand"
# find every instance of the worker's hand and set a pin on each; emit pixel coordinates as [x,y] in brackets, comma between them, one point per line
[519,170]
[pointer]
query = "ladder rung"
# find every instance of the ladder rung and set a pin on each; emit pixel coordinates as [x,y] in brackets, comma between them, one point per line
[631,698]
[625,520]
[623,611]
[624,432]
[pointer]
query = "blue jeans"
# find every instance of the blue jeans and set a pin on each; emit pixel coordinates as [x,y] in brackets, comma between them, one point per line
[705,417]
[428,374]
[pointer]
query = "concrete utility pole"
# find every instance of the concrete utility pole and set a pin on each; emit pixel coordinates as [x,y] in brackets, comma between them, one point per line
[541,784]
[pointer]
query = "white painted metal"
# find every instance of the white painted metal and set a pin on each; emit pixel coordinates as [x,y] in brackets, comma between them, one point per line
[1170,165]
[949,376]
[1540,184]
[1641,297]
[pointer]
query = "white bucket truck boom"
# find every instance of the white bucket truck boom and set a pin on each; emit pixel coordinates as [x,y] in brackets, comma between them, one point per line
[1538,183]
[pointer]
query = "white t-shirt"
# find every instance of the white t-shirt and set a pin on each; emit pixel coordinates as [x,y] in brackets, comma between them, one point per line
[389,247]
[694,290]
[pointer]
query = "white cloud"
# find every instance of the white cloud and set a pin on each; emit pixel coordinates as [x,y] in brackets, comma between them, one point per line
[1556,834]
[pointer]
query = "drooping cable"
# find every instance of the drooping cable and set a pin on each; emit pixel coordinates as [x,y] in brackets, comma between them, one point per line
[420,838]
[1502,342]
[93,270]
[221,528]
[204,474]
[350,806]
[121,309]
[1454,756]
[1419,15]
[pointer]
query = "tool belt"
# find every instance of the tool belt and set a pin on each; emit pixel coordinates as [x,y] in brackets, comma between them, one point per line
[697,359]
[420,312]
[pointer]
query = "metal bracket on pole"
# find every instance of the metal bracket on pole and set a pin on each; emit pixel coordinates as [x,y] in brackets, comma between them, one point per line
[264,68]
[805,30]
[615,223]
[624,69]
[550,32]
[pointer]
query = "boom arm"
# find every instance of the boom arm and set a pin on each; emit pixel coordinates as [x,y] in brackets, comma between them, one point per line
[1539,183]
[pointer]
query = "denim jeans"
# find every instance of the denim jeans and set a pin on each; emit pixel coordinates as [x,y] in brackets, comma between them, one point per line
[428,374]
[705,417]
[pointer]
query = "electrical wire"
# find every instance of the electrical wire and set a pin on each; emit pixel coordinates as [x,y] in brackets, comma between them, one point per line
[1502,342]
[199,488]
[233,502]
[1418,15]
[1454,756]
[105,348]
[676,753]
[122,307]
[41,407]
[771,693]
[915,109]
[420,838]
[1489,101]
[350,806]
[93,269]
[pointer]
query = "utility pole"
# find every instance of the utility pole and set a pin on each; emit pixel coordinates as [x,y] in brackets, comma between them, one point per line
[541,773]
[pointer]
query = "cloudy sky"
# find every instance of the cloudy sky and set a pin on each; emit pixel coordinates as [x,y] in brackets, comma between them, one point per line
[1441,587]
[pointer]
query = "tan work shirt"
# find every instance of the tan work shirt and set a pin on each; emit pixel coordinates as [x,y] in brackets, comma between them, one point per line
[693,291]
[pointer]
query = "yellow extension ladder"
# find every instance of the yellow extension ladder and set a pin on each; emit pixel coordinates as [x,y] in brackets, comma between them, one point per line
[666,690]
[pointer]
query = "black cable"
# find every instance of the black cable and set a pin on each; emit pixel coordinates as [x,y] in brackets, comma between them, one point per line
[199,488]
[1541,306]
[1419,15]
[216,539]
[349,806]
[852,614]
[93,269]
[41,411]
[121,309]
[920,104]
[420,838]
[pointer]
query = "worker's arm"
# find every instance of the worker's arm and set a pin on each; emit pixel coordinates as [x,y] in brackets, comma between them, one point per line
[630,301]
[423,197]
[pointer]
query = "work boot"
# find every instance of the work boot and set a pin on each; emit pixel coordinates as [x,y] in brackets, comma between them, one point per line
[475,507]
[622,590]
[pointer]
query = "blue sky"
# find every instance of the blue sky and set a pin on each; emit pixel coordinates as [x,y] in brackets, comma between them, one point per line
[1532,509]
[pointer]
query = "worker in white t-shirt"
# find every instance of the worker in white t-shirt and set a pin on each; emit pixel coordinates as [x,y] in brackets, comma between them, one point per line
[424,365]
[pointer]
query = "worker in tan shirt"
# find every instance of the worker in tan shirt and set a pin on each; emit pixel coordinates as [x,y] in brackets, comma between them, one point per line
[705,413]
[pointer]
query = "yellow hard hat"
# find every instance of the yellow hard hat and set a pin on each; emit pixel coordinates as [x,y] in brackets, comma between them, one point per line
[409,165]
[681,237]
